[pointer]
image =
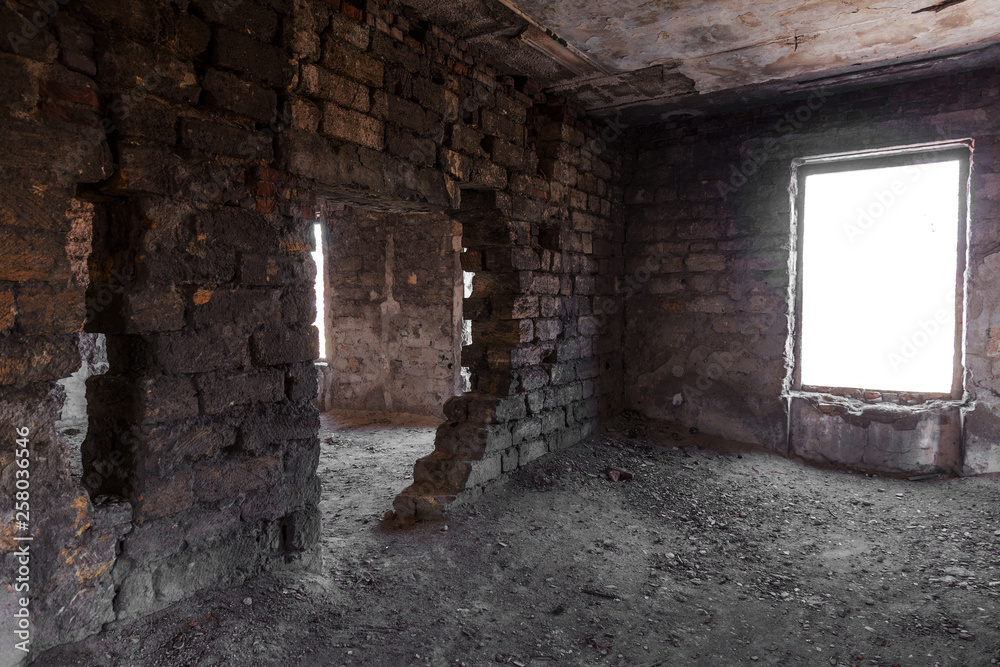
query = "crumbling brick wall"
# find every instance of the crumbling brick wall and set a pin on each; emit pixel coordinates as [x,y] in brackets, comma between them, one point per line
[206,135]
[708,247]
[394,311]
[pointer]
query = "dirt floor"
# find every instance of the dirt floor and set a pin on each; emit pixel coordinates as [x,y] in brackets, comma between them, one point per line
[710,555]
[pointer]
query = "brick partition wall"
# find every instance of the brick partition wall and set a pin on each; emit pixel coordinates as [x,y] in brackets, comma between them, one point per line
[394,311]
[708,239]
[206,140]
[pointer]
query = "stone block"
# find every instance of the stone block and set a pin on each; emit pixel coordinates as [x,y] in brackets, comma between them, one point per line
[489,175]
[129,65]
[320,83]
[230,476]
[350,32]
[525,429]
[553,420]
[242,53]
[462,440]
[44,310]
[467,140]
[502,332]
[222,390]
[357,66]
[285,346]
[529,451]
[301,382]
[533,377]
[302,114]
[705,262]
[547,329]
[261,271]
[484,471]
[266,424]
[26,359]
[166,398]
[153,309]
[240,228]
[504,153]
[348,125]
[157,497]
[223,139]
[29,204]
[6,310]
[33,255]
[509,459]
[143,117]
[455,164]
[245,17]
[248,308]
[227,91]
[298,307]
[166,446]
[301,529]
[199,352]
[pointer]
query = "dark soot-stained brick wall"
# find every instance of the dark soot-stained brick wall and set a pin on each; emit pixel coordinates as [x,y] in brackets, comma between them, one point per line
[708,246]
[205,135]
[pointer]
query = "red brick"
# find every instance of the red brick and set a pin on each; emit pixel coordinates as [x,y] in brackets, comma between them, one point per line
[352,12]
[67,114]
[68,93]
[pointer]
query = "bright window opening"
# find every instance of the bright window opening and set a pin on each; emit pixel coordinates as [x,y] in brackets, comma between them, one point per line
[878,268]
[317,256]
[467,277]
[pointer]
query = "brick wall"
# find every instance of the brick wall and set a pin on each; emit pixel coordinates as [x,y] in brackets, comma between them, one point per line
[708,245]
[206,140]
[394,311]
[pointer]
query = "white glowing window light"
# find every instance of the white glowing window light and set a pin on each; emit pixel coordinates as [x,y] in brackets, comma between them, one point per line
[317,256]
[879,263]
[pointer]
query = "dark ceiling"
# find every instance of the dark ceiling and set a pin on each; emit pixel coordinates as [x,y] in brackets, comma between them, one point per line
[648,59]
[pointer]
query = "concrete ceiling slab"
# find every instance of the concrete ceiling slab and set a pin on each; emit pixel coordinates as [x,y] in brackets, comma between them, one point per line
[657,55]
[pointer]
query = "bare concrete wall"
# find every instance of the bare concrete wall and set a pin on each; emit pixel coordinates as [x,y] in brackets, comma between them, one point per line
[708,248]
[394,311]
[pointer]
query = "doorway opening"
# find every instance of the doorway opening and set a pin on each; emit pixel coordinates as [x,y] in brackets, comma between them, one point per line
[392,292]
[72,425]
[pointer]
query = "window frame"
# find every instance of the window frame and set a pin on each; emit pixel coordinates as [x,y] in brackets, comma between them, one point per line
[858,161]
